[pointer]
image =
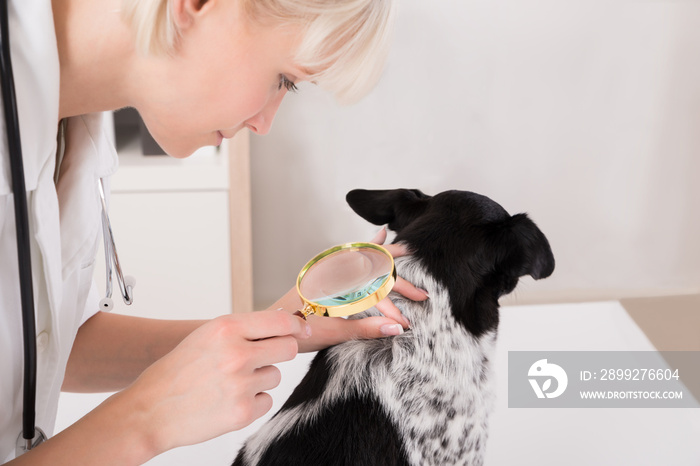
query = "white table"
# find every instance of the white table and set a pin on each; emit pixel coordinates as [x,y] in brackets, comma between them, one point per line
[541,437]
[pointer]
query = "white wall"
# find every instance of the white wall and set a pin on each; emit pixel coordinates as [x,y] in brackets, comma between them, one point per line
[586,114]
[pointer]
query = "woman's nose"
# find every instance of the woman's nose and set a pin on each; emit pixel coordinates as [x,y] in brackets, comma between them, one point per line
[261,122]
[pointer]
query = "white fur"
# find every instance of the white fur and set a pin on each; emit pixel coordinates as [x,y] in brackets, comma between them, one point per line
[438,398]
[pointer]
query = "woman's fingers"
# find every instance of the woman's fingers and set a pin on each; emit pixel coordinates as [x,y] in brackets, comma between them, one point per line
[266,324]
[273,350]
[380,237]
[409,290]
[402,286]
[374,327]
[389,309]
[266,378]
[396,250]
[330,331]
[262,403]
[215,379]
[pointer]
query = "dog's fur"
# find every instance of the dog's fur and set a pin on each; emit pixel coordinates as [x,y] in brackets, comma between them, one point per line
[423,397]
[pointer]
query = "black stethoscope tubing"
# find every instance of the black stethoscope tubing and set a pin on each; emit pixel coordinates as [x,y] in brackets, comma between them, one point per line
[22,224]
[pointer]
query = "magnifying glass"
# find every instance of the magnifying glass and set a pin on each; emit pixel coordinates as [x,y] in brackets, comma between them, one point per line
[346,279]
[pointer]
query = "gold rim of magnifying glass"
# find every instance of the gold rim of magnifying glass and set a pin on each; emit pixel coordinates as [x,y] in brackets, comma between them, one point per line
[350,308]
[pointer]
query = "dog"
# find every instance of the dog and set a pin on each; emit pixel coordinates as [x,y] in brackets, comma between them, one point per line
[422,397]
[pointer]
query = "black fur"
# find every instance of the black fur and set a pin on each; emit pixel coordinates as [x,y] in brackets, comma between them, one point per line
[339,438]
[466,241]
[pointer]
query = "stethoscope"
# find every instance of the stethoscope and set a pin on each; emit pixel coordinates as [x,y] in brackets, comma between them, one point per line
[31,435]
[126,282]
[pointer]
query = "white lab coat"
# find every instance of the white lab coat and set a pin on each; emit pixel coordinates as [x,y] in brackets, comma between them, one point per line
[64,222]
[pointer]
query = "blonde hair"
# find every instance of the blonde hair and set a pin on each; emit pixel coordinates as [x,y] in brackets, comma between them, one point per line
[344,44]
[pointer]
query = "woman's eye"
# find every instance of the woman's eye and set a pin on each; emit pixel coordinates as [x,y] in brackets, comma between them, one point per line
[287,84]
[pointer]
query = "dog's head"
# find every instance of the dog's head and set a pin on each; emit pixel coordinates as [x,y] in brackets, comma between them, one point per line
[466,241]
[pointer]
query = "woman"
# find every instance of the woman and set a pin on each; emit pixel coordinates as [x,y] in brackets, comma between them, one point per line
[197,71]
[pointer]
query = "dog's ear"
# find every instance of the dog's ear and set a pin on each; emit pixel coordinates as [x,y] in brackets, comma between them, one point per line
[395,207]
[526,250]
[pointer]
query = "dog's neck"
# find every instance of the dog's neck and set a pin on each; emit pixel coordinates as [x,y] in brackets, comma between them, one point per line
[438,385]
[477,309]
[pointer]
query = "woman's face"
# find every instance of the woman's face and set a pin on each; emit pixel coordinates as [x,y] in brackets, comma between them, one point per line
[228,73]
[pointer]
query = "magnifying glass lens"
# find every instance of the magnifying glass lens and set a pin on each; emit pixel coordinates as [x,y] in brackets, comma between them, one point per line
[344,276]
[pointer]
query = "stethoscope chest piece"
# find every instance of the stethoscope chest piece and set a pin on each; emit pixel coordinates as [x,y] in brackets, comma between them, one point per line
[24,445]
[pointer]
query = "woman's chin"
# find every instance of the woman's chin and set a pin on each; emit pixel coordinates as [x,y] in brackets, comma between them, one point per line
[181,151]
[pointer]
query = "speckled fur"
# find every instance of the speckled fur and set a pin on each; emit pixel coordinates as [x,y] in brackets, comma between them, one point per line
[433,382]
[438,387]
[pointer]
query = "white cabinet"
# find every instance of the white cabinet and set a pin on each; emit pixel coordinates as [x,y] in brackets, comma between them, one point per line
[174,223]
[177,247]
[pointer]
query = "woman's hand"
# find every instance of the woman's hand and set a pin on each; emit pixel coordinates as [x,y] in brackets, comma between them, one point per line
[215,380]
[329,331]
[211,383]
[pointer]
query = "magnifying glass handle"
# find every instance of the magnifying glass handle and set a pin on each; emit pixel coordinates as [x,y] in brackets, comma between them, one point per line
[304,313]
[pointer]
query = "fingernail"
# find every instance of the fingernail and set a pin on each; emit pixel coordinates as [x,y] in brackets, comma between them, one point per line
[407,322]
[308,330]
[424,292]
[391,329]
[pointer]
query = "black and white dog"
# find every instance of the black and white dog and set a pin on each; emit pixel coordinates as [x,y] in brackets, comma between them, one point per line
[423,397]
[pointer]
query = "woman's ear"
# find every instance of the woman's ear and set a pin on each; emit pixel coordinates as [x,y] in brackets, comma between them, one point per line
[185,12]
